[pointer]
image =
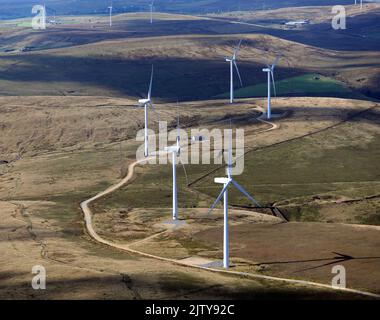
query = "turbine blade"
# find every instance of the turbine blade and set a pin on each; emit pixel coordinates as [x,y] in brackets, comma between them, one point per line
[276,61]
[154,110]
[178,119]
[242,190]
[274,84]
[266,62]
[185,171]
[236,50]
[238,73]
[178,127]
[219,197]
[150,85]
[229,152]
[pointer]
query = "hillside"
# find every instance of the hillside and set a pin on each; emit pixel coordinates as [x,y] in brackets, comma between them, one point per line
[22,8]
[84,57]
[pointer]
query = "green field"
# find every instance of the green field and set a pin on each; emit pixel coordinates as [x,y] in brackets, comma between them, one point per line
[305,85]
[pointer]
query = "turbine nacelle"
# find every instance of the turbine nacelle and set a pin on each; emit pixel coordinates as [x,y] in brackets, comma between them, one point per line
[176,148]
[267,70]
[227,181]
[222,180]
[144,102]
[173,149]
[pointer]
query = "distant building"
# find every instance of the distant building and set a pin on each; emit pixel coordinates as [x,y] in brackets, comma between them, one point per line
[26,49]
[297,23]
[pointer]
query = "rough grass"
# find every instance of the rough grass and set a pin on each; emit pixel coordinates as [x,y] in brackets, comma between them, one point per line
[66,217]
[339,163]
[152,188]
[331,161]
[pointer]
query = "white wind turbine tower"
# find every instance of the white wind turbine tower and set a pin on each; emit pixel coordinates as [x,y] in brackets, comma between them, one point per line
[44,17]
[224,193]
[147,103]
[232,62]
[270,71]
[361,3]
[151,11]
[175,151]
[110,9]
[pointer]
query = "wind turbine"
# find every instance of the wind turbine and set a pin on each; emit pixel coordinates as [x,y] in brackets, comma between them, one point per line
[175,151]
[151,11]
[146,103]
[232,62]
[110,9]
[44,16]
[54,18]
[224,193]
[361,3]
[270,71]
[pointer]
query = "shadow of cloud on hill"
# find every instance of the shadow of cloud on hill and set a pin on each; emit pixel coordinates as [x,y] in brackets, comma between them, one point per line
[320,35]
[175,78]
[361,34]
[169,285]
[186,79]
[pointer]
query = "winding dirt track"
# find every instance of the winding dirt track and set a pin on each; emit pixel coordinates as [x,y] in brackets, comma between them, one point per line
[85,206]
[90,229]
